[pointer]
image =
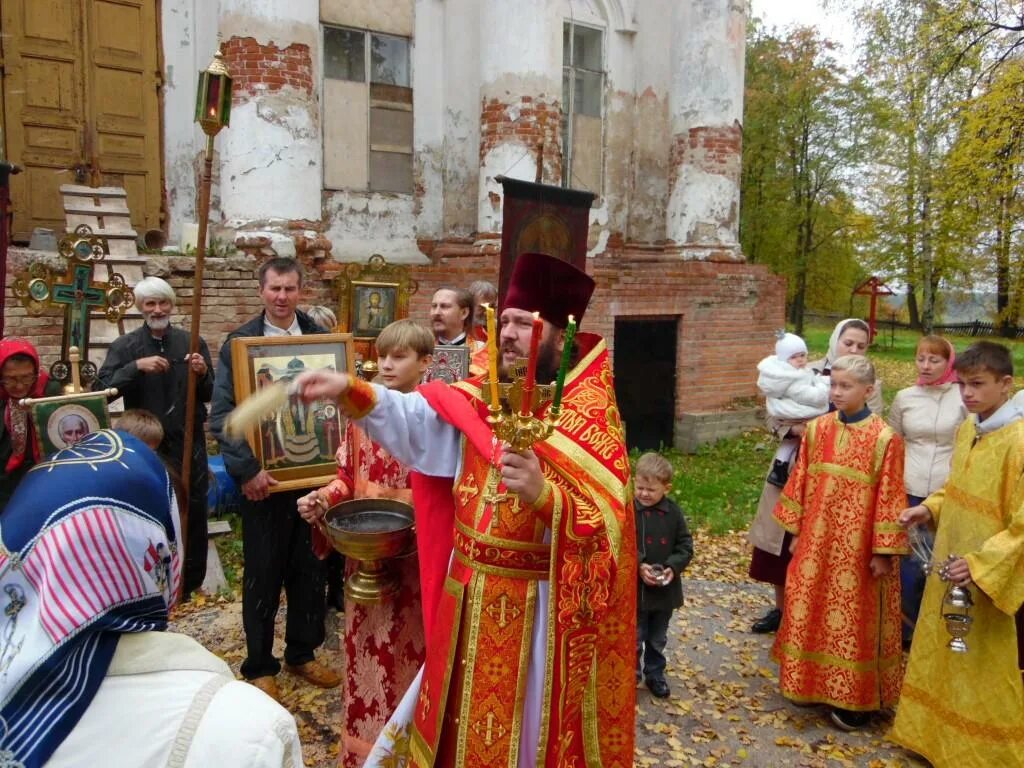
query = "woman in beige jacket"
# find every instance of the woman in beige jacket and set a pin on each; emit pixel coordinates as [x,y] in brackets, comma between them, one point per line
[927,416]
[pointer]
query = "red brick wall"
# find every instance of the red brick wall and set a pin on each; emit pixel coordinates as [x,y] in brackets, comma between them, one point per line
[527,121]
[712,149]
[260,68]
[727,312]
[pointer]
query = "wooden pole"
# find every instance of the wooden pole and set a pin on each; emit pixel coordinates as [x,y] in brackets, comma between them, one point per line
[197,306]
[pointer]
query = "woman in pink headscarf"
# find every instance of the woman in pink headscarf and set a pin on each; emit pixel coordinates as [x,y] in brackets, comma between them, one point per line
[20,377]
[927,416]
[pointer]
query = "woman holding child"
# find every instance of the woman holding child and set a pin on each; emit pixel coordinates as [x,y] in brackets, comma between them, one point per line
[771,543]
[926,416]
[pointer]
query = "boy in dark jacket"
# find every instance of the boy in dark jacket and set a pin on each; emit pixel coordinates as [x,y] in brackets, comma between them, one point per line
[665,549]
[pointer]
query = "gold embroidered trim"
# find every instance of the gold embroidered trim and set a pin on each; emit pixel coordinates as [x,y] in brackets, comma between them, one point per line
[827,468]
[502,570]
[957,720]
[476,587]
[524,664]
[544,731]
[545,495]
[882,663]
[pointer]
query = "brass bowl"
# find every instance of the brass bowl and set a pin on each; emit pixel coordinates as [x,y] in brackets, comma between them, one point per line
[372,531]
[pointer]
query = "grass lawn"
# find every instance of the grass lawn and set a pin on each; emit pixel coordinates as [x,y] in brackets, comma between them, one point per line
[718,487]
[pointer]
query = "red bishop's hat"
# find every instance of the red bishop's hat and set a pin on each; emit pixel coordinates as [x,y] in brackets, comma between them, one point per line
[550,286]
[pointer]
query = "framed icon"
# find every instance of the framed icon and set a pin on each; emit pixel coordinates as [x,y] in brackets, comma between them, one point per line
[62,421]
[297,443]
[450,363]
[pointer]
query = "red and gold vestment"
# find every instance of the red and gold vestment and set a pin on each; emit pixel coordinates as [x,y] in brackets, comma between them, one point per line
[558,578]
[839,643]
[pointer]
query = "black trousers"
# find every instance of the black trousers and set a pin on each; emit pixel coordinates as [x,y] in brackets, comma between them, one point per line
[278,551]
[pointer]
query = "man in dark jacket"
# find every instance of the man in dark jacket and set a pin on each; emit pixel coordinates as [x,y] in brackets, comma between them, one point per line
[149,367]
[276,542]
[665,548]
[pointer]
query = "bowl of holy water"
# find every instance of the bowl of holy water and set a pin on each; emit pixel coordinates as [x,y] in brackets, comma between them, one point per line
[375,532]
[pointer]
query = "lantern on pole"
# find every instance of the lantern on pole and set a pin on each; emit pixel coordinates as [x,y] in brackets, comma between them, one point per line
[213,113]
[213,97]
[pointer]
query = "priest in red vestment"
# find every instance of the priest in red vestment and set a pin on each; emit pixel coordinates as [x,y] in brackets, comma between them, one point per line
[527,559]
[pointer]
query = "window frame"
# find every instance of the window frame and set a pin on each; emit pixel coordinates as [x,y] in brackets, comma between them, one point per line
[569,99]
[371,104]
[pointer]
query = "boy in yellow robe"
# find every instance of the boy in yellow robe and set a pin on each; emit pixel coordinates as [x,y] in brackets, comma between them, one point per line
[967,709]
[839,643]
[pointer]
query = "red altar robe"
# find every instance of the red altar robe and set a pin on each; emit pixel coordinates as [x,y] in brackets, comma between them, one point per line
[839,643]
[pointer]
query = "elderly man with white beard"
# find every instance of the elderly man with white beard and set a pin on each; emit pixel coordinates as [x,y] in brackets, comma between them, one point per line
[149,367]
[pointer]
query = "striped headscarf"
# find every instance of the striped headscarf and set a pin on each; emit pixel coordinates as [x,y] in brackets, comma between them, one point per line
[88,550]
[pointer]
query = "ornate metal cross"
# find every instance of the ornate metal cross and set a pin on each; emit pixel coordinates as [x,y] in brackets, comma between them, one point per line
[78,295]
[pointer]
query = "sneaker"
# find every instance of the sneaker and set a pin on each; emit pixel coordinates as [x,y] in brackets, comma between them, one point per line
[315,673]
[845,720]
[658,687]
[768,623]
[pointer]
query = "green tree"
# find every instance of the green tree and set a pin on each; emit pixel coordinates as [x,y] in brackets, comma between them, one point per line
[917,88]
[984,185]
[803,140]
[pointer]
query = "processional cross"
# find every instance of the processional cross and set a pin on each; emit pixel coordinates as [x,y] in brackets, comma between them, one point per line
[78,294]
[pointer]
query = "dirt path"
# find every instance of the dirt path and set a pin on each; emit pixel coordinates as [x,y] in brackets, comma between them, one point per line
[725,708]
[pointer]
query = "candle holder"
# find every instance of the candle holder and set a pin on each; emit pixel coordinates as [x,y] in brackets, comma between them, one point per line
[510,424]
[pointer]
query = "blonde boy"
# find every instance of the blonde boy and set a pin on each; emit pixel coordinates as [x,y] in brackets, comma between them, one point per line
[664,549]
[839,643]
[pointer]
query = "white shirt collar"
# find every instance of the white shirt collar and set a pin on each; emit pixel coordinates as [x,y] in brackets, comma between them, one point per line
[269,329]
[460,339]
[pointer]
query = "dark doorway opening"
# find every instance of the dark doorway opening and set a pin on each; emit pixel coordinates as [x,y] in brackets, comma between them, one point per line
[645,379]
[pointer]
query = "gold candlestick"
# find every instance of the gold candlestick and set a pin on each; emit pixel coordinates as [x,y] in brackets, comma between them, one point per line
[514,424]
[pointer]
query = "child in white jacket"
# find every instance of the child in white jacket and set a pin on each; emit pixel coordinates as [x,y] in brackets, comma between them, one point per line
[793,392]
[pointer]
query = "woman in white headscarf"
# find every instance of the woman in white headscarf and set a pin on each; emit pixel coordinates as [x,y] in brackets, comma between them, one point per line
[771,543]
[89,568]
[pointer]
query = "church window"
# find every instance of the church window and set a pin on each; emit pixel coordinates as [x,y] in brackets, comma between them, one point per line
[367,110]
[583,80]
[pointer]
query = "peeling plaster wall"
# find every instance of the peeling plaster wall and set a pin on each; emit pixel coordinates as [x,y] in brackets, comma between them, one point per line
[189,41]
[520,56]
[706,93]
[272,155]
[651,136]
[361,224]
[428,78]
[670,121]
[461,115]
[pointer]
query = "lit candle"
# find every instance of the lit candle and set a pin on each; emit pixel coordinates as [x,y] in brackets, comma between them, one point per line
[530,382]
[492,356]
[563,370]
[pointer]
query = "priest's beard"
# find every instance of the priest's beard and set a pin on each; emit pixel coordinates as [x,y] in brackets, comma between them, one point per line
[547,363]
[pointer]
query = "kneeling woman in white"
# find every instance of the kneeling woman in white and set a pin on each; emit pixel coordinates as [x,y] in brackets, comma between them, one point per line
[89,568]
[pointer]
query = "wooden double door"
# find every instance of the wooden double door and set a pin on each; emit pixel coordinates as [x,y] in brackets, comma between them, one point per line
[81,105]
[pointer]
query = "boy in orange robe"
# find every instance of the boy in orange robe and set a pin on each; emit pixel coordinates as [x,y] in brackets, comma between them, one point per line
[839,643]
[384,644]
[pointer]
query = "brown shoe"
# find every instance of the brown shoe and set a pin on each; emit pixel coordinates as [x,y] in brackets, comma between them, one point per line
[315,673]
[267,684]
